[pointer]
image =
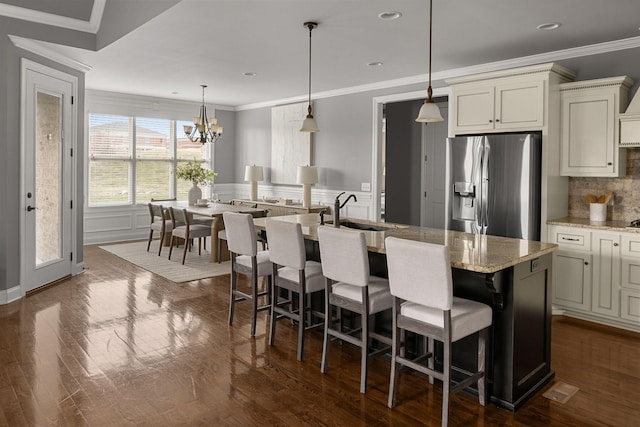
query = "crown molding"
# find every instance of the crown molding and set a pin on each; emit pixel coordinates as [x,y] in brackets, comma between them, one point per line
[41,50]
[24,14]
[558,55]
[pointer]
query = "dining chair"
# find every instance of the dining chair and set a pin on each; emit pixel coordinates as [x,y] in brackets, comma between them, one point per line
[350,286]
[158,223]
[248,261]
[422,289]
[295,274]
[187,231]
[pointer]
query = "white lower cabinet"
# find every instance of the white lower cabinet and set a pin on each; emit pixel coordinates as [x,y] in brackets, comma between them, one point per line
[606,273]
[596,274]
[572,279]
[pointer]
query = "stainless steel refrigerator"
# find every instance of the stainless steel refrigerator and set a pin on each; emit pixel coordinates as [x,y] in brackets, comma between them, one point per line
[494,185]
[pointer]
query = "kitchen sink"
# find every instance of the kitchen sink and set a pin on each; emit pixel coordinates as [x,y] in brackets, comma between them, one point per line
[364,226]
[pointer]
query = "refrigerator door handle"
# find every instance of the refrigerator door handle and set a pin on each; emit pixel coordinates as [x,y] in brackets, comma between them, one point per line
[476,173]
[485,188]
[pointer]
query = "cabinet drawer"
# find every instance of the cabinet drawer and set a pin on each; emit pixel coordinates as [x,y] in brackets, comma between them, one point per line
[631,273]
[631,245]
[576,238]
[630,305]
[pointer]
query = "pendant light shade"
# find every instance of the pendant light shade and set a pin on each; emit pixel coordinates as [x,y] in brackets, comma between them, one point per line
[309,124]
[429,112]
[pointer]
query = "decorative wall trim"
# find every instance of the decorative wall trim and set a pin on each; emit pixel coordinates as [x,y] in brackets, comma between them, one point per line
[41,50]
[122,103]
[116,224]
[558,55]
[90,26]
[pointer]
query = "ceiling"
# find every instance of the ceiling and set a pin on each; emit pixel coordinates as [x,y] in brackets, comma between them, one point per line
[214,42]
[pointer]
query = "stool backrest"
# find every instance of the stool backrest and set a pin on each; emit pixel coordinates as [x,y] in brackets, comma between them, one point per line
[344,255]
[286,243]
[420,272]
[241,233]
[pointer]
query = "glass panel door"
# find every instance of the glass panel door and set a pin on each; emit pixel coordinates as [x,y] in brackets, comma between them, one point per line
[47,139]
[48,173]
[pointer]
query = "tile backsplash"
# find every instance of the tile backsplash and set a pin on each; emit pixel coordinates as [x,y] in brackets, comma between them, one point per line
[626,190]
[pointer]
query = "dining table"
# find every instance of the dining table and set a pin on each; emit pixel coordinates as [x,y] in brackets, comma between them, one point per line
[213,210]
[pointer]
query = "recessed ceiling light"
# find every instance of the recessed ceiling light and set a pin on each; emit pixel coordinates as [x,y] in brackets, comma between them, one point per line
[548,26]
[375,64]
[249,74]
[389,15]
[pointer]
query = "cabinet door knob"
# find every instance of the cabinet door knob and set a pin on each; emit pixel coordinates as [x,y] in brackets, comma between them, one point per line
[586,263]
[497,120]
[490,121]
[609,163]
[615,244]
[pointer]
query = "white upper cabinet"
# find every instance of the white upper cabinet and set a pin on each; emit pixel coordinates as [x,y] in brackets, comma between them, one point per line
[508,106]
[590,135]
[505,101]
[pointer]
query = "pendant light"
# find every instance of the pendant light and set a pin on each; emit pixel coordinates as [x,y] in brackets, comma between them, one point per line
[309,124]
[429,112]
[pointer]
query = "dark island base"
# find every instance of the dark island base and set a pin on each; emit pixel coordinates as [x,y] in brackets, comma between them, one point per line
[520,340]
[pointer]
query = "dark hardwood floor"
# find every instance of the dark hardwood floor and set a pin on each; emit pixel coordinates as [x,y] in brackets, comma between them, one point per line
[119,346]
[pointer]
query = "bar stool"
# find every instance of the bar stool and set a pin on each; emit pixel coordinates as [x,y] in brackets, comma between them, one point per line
[293,272]
[421,284]
[222,234]
[187,231]
[345,265]
[246,260]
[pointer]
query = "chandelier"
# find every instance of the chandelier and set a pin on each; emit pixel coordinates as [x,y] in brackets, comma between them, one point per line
[204,129]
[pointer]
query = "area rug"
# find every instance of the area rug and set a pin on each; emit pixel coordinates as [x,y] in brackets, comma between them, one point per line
[195,267]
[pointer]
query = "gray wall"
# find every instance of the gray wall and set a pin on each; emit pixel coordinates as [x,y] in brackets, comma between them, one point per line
[10,172]
[342,149]
[224,149]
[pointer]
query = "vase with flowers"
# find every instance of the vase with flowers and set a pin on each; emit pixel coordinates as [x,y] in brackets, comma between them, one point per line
[198,175]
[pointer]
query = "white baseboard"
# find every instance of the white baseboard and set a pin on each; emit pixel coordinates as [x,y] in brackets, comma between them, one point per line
[10,295]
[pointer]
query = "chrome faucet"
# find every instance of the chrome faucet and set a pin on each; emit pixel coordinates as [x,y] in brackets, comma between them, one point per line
[337,206]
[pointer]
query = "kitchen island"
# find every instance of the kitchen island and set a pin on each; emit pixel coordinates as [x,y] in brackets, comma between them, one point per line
[512,276]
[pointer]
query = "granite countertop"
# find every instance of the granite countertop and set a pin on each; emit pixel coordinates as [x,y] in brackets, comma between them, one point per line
[474,252]
[596,225]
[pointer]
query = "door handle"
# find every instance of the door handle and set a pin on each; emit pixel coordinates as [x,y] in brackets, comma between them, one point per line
[31,208]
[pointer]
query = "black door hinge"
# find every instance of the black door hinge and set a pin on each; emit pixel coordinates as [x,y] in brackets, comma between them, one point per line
[71,204]
[71,256]
[71,99]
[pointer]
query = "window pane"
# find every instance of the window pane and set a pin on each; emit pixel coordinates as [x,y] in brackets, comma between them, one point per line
[153,180]
[110,136]
[188,150]
[153,139]
[108,182]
